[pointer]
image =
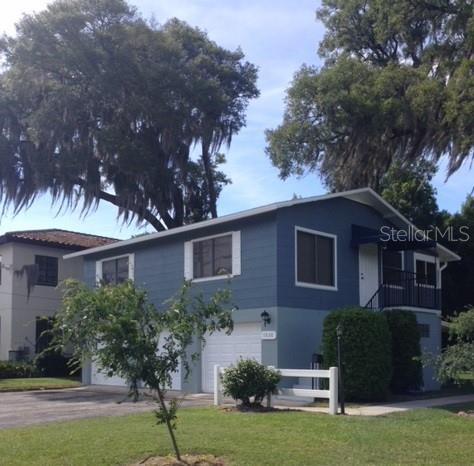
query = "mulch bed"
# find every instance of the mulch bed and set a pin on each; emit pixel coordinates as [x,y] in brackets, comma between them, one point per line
[187,460]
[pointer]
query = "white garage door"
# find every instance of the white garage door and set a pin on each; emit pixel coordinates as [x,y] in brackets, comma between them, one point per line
[245,341]
[99,378]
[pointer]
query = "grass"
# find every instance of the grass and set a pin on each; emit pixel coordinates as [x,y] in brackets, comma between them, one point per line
[37,383]
[423,436]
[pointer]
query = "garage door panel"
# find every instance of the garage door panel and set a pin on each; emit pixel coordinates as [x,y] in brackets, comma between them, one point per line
[224,350]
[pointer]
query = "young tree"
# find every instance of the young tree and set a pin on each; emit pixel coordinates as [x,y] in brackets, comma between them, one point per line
[397,85]
[97,104]
[116,327]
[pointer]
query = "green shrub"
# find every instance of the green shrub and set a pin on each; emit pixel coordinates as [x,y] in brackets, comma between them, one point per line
[249,380]
[53,364]
[366,352]
[456,362]
[17,370]
[407,371]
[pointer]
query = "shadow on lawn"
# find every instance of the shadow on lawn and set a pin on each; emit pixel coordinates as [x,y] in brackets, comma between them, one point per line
[458,408]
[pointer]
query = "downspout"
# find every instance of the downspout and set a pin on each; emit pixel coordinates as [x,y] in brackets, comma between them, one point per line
[441,268]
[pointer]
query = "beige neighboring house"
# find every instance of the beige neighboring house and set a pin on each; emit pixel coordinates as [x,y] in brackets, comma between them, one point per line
[32,266]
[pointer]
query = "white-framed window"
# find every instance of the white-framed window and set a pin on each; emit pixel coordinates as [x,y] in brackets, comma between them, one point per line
[212,257]
[393,265]
[315,259]
[426,270]
[113,270]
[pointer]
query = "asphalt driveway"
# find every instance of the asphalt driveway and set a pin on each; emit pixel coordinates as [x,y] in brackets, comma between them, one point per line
[38,407]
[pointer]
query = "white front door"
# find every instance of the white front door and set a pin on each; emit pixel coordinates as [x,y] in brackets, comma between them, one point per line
[244,342]
[368,272]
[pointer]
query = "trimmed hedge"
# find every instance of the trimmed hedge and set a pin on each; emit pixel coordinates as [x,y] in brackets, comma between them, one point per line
[407,371]
[17,370]
[366,352]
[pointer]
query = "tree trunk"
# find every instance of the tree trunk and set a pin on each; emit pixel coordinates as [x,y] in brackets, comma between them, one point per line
[168,423]
[206,160]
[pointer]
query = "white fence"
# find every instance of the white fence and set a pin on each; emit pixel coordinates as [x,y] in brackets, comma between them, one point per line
[331,394]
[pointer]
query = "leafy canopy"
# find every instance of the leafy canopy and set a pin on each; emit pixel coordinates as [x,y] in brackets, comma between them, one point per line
[98,104]
[397,85]
[409,189]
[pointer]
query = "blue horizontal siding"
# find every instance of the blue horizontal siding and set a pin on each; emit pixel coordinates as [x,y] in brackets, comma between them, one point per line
[334,216]
[159,265]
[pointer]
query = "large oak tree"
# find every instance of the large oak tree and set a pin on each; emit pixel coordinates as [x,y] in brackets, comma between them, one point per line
[97,104]
[397,86]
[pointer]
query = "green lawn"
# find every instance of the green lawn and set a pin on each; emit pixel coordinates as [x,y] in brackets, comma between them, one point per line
[425,436]
[36,383]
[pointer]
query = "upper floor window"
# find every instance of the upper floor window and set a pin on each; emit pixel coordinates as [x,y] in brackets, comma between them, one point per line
[392,269]
[213,257]
[114,271]
[425,271]
[47,270]
[315,259]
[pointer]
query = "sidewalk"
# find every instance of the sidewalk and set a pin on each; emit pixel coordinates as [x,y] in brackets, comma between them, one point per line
[380,410]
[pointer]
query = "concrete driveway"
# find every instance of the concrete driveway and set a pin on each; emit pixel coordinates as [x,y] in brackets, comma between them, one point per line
[39,407]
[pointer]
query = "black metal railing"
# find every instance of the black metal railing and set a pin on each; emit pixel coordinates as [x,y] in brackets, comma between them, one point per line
[403,288]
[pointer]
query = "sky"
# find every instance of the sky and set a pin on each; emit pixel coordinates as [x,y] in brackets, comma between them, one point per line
[277,36]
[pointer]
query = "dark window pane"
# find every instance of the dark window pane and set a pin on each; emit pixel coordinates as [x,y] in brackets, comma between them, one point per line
[47,270]
[115,270]
[108,271]
[426,273]
[197,260]
[392,267]
[223,255]
[325,260]
[122,269]
[420,271]
[431,273]
[306,261]
[203,259]
[212,257]
[315,260]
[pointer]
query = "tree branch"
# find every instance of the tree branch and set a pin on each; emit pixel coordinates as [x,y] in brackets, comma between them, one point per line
[113,199]
[145,214]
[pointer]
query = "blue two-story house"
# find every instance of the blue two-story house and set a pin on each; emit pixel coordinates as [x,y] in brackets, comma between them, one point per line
[288,265]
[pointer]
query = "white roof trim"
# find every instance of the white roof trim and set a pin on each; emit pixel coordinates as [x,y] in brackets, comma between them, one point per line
[362,195]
